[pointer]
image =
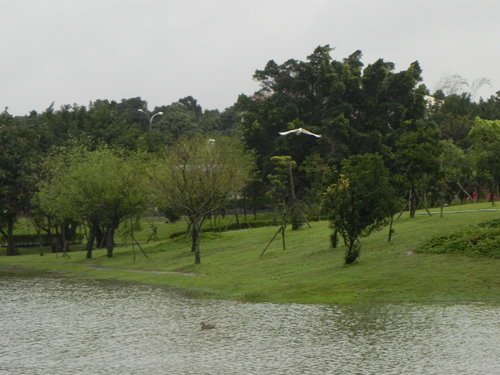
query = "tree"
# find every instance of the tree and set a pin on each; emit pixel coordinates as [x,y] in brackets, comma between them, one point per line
[198,175]
[490,109]
[117,188]
[282,191]
[53,207]
[282,195]
[452,84]
[454,115]
[485,149]
[416,153]
[320,175]
[360,202]
[110,122]
[179,119]
[17,168]
[454,173]
[355,110]
[101,187]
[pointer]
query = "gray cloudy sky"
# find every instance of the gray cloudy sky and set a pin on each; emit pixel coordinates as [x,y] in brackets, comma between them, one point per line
[76,51]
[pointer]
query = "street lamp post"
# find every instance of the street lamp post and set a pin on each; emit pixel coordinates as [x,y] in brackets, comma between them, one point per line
[150,118]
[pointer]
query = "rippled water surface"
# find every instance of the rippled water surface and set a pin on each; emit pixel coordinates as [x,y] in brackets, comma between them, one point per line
[56,326]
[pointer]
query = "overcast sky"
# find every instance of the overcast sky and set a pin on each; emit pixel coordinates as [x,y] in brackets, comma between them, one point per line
[76,51]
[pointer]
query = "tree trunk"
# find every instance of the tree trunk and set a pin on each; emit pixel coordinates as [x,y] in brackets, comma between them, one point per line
[57,240]
[90,243]
[497,188]
[94,227]
[110,240]
[424,198]
[245,207]
[493,193]
[413,202]
[195,236]
[352,252]
[11,247]
[53,241]
[65,238]
[334,239]
[40,239]
[100,236]
[391,231]
[283,228]
[71,231]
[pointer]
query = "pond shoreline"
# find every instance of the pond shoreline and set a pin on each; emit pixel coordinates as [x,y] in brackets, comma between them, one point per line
[20,272]
[309,271]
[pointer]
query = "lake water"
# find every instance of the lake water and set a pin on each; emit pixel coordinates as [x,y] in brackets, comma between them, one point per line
[58,326]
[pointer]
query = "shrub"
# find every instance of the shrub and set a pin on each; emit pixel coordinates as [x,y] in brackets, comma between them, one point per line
[482,240]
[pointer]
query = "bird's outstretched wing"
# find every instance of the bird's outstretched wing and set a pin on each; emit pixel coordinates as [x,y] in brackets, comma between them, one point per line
[288,132]
[309,133]
[300,131]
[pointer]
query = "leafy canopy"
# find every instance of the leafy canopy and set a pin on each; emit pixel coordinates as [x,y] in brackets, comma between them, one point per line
[361,201]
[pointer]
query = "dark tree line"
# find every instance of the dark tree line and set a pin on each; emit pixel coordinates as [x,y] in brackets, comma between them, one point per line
[39,148]
[357,109]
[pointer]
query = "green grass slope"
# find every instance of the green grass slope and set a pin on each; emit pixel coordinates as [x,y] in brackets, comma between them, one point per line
[309,271]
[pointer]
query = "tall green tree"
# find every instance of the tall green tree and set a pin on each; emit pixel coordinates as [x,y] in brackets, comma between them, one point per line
[490,109]
[198,176]
[115,123]
[53,206]
[360,202]
[415,159]
[101,187]
[454,115]
[455,172]
[17,171]
[321,175]
[356,109]
[183,118]
[485,149]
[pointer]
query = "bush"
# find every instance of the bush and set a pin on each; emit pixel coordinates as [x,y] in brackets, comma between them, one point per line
[482,240]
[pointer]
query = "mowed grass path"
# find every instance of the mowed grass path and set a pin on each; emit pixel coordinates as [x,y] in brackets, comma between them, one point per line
[309,271]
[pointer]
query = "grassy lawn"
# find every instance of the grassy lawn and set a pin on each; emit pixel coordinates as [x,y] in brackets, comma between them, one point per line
[309,271]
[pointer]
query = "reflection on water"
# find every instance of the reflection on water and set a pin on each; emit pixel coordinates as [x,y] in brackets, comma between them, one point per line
[56,326]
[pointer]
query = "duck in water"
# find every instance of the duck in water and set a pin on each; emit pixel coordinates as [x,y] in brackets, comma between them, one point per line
[205,326]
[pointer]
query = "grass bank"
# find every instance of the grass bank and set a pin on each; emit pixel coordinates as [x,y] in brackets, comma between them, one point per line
[309,271]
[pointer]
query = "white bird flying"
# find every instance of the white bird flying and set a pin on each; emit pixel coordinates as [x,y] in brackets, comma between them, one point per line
[300,131]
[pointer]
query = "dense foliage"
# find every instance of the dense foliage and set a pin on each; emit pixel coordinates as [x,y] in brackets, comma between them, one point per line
[100,188]
[198,176]
[482,240]
[436,148]
[17,168]
[360,202]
